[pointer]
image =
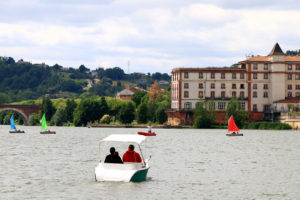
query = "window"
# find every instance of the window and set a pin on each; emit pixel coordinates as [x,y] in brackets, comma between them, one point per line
[254,66]
[242,76]
[297,87]
[212,75]
[200,75]
[290,94]
[254,94]
[233,75]
[242,94]
[265,86]
[255,86]
[290,67]
[221,105]
[222,85]
[222,94]
[233,86]
[254,107]
[200,94]
[186,85]
[233,94]
[186,94]
[242,86]
[212,85]
[223,76]
[187,105]
[254,76]
[212,94]
[200,85]
[266,107]
[266,67]
[290,76]
[243,105]
[265,76]
[297,67]
[297,76]
[290,87]
[265,94]
[186,75]
[297,94]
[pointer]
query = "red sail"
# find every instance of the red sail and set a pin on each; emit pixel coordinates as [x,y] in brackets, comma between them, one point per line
[232,126]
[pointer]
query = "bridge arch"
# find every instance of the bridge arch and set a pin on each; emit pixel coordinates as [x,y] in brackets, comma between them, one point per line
[25,111]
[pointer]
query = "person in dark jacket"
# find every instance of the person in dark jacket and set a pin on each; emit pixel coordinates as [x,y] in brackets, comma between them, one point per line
[113,157]
[131,156]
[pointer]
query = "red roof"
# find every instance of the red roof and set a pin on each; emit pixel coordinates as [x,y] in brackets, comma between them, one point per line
[289,100]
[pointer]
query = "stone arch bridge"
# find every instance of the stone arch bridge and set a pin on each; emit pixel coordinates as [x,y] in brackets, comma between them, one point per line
[25,111]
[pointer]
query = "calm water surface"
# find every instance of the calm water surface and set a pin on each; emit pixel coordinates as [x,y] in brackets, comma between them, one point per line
[185,164]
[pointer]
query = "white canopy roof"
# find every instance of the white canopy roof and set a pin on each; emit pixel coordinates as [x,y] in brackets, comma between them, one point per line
[124,138]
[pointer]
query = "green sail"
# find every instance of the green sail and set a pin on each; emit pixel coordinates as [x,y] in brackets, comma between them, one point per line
[44,124]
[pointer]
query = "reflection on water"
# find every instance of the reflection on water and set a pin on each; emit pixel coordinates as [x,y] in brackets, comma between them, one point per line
[185,164]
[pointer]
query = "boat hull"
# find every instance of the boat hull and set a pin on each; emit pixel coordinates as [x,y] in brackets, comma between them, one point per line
[18,131]
[147,134]
[239,134]
[48,132]
[128,172]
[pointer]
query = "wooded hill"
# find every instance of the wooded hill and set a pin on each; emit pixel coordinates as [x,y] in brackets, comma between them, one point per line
[23,80]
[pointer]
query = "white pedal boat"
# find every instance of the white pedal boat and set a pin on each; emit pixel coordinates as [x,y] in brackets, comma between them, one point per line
[127,172]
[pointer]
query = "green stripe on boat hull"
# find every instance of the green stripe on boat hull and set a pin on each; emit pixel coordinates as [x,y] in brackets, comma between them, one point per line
[140,175]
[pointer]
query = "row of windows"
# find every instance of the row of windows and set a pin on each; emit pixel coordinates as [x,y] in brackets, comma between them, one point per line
[221,105]
[290,67]
[265,94]
[212,85]
[290,94]
[265,86]
[266,76]
[213,75]
[266,67]
[290,76]
[212,94]
[290,87]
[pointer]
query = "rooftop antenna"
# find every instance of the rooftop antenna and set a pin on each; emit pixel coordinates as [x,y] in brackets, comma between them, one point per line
[128,67]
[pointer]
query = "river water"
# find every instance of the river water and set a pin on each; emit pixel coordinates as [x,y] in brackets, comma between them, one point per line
[185,164]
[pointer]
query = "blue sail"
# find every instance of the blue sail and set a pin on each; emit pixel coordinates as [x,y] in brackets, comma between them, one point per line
[12,123]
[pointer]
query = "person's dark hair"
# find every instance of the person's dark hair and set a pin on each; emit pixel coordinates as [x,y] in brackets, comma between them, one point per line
[112,150]
[131,147]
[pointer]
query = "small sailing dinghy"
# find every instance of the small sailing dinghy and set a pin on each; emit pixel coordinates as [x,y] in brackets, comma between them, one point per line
[45,127]
[232,128]
[13,128]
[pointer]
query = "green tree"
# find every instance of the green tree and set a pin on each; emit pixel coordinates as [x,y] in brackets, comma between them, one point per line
[142,113]
[234,109]
[88,110]
[60,117]
[205,115]
[35,119]
[47,108]
[103,106]
[127,113]
[4,98]
[70,107]
[161,115]
[137,97]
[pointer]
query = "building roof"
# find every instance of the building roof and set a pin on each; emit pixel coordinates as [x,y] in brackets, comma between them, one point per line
[289,100]
[229,69]
[125,92]
[276,50]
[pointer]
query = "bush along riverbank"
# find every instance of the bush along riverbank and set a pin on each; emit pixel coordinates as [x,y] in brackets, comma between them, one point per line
[267,126]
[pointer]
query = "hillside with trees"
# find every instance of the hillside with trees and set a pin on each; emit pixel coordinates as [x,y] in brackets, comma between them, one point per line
[23,80]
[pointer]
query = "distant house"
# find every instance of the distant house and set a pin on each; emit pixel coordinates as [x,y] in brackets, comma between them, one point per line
[127,93]
[162,82]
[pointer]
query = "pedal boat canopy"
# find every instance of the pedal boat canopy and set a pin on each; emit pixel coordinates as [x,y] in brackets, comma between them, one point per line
[124,138]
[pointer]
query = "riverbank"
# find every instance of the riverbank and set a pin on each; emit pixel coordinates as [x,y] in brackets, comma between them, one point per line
[134,126]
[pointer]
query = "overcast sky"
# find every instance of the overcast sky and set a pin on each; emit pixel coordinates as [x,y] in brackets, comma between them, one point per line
[154,35]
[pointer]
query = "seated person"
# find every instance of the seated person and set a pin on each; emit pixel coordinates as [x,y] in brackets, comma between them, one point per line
[131,156]
[113,157]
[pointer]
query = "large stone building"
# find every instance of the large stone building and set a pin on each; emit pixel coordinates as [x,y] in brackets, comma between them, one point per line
[264,85]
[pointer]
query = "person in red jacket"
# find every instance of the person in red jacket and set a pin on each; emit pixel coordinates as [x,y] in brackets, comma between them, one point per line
[131,156]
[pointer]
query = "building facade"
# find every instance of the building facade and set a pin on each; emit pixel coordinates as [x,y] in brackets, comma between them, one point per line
[261,83]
